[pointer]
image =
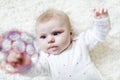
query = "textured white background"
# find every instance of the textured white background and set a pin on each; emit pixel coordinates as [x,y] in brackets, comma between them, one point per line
[21,14]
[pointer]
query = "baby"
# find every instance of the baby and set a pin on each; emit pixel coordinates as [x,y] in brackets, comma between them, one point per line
[63,57]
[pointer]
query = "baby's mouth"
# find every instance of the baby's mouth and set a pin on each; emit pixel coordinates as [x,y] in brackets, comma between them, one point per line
[52,47]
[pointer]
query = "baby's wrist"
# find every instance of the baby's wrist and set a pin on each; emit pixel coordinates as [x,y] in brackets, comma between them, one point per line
[101,19]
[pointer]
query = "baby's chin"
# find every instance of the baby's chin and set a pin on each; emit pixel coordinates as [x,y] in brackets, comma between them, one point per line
[54,52]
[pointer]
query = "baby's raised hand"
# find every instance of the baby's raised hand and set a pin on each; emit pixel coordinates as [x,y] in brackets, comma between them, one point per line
[100,13]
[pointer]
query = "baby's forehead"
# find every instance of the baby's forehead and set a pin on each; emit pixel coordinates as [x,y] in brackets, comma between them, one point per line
[57,19]
[52,23]
[49,29]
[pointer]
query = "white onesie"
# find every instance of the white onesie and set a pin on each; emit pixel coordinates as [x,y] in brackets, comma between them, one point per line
[75,63]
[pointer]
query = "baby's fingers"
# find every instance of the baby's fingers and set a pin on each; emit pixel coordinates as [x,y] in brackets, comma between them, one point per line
[105,11]
[100,12]
[96,12]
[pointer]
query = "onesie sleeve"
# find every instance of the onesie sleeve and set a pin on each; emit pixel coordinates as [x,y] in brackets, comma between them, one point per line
[97,33]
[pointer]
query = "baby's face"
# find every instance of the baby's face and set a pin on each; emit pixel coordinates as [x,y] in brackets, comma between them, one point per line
[54,36]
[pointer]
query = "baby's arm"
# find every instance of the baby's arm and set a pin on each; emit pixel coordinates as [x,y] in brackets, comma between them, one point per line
[101,24]
[101,27]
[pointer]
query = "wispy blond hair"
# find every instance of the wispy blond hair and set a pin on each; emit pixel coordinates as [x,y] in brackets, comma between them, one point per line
[53,14]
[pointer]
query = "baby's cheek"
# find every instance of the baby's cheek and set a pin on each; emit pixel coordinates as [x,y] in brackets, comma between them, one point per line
[64,40]
[42,44]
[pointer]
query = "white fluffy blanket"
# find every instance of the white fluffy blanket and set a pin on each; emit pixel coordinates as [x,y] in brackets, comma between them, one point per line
[21,14]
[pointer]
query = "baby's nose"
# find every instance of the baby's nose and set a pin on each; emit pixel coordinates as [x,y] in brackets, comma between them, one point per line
[51,39]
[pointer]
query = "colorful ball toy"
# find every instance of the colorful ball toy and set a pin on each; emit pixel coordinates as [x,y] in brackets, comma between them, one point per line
[19,42]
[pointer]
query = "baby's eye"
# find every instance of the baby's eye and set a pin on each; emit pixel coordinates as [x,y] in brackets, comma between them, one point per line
[56,33]
[43,37]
